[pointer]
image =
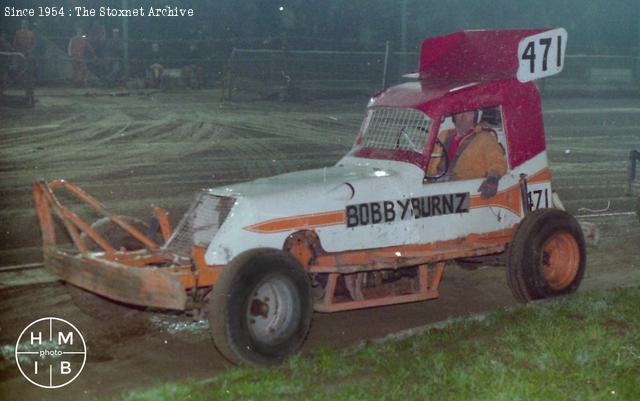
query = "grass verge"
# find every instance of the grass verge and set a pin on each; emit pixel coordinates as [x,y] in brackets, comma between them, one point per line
[583,347]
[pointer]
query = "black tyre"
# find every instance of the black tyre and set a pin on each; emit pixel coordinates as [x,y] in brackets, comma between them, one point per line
[260,308]
[116,235]
[546,257]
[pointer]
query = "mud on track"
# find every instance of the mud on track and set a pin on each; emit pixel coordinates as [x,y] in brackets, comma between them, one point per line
[160,148]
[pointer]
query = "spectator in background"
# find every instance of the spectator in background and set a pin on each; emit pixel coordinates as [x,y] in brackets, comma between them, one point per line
[24,42]
[114,54]
[155,70]
[193,72]
[80,50]
[154,76]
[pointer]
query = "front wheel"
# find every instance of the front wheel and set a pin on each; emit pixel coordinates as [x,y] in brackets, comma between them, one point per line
[260,309]
[546,257]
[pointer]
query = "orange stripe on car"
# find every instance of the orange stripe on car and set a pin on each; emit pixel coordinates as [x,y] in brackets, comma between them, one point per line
[508,199]
[313,220]
[541,176]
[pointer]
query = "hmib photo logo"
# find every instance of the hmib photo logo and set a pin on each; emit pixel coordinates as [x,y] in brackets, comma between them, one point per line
[50,352]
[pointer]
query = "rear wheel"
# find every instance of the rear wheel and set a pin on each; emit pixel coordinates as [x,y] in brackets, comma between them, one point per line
[547,256]
[260,309]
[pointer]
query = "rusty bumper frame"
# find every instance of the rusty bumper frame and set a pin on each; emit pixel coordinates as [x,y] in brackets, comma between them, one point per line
[148,277]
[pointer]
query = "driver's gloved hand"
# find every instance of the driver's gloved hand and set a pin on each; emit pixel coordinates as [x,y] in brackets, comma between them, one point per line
[489,187]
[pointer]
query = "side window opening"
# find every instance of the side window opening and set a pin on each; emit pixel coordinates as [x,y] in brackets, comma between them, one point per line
[492,118]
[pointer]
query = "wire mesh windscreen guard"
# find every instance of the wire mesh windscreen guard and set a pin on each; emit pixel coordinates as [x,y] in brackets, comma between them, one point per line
[394,128]
[200,224]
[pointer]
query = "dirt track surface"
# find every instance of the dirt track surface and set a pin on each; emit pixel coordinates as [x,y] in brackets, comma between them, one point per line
[160,148]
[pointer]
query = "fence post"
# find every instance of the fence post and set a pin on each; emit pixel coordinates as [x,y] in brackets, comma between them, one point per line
[125,41]
[230,74]
[403,36]
[634,156]
[386,61]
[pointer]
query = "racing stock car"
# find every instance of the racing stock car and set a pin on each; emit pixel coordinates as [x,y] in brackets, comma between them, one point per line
[377,228]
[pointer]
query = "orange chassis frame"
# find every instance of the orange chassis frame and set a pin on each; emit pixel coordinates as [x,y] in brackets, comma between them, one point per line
[157,278]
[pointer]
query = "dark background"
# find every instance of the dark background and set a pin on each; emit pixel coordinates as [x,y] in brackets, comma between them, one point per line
[593,26]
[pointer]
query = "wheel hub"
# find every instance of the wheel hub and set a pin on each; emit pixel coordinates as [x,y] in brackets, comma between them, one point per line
[270,311]
[560,260]
[260,308]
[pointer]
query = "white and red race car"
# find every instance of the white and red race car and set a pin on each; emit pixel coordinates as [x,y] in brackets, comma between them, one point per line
[374,229]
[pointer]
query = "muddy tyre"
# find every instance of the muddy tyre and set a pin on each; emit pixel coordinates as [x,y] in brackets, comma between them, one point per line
[260,308]
[546,257]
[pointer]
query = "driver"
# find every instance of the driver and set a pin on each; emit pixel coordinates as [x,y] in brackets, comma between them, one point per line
[472,152]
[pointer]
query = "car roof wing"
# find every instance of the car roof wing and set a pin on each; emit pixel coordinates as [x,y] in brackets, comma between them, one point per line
[484,55]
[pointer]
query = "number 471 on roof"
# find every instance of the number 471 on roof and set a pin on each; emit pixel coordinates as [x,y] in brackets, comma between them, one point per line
[541,55]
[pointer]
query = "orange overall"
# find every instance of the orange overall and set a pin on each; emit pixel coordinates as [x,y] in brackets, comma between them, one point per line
[79,49]
[479,155]
[24,41]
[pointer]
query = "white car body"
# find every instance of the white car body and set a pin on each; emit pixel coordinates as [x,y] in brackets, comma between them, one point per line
[266,211]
